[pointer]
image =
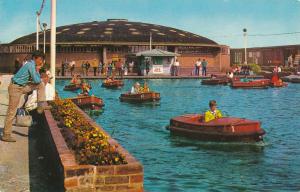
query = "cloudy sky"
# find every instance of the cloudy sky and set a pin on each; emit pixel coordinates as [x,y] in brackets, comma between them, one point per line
[220,20]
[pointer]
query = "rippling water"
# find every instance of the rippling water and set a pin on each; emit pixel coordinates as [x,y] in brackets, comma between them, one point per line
[180,164]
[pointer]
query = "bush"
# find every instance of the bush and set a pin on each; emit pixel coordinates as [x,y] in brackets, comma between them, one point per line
[90,145]
[255,68]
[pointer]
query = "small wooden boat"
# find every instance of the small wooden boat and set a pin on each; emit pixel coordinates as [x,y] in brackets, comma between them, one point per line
[113,84]
[72,87]
[276,81]
[140,97]
[270,74]
[227,129]
[278,84]
[292,78]
[251,84]
[215,81]
[88,102]
[295,80]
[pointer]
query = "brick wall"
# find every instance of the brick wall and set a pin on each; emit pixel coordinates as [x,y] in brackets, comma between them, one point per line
[75,177]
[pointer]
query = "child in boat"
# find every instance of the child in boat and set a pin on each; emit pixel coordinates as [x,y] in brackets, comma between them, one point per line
[108,80]
[85,88]
[135,89]
[146,88]
[74,80]
[213,112]
[78,80]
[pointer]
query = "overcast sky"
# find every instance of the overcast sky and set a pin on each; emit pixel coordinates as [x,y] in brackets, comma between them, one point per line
[219,20]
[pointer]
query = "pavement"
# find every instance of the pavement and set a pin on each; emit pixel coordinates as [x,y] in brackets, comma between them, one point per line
[14,166]
[23,166]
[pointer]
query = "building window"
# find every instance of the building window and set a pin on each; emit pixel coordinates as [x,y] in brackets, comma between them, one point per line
[238,57]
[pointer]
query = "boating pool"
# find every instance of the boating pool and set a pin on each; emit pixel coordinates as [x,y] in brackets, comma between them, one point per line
[180,164]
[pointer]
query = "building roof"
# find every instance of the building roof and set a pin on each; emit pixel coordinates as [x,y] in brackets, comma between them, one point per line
[156,53]
[115,31]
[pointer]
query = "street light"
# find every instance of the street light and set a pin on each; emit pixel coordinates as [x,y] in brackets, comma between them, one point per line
[37,29]
[44,29]
[245,44]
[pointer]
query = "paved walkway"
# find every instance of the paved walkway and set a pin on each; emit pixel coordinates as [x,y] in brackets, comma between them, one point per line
[14,161]
[23,165]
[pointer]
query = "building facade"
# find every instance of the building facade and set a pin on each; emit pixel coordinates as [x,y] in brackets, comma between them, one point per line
[267,56]
[118,39]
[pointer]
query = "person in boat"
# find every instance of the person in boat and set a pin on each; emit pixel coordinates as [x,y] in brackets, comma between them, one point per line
[212,76]
[230,75]
[85,88]
[213,112]
[108,80]
[135,89]
[74,80]
[146,88]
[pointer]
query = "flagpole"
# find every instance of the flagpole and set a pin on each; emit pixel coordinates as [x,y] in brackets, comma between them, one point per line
[53,41]
[37,30]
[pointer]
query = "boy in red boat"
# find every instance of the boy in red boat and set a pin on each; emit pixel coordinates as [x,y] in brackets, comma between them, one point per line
[213,113]
[85,88]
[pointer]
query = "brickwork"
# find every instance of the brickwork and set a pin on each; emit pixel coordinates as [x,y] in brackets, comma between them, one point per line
[128,177]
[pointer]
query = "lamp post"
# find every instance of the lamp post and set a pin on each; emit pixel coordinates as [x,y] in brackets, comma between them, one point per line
[44,29]
[37,29]
[53,41]
[245,44]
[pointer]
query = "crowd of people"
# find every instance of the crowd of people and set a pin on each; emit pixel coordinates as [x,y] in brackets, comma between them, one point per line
[118,67]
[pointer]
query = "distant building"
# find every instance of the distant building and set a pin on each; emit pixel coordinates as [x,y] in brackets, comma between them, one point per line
[116,39]
[267,56]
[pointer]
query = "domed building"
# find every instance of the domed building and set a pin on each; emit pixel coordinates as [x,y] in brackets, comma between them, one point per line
[118,39]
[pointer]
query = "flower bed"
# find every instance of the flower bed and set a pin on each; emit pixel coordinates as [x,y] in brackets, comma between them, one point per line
[88,142]
[86,157]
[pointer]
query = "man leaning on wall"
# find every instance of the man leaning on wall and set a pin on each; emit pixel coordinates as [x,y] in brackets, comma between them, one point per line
[24,81]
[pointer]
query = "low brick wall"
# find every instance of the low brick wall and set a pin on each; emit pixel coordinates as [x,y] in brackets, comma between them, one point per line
[75,177]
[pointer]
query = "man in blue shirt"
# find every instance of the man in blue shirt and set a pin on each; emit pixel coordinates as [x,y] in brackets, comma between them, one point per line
[24,81]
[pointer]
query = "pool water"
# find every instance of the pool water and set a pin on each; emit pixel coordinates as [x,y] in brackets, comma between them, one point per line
[180,164]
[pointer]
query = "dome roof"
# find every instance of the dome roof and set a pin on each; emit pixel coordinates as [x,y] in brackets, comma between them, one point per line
[118,31]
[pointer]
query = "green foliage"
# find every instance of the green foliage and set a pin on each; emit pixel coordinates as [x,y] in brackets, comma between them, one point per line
[255,68]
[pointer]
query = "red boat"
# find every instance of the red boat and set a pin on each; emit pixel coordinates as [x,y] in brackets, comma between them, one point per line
[215,81]
[227,129]
[140,97]
[88,102]
[113,84]
[72,87]
[251,84]
[277,82]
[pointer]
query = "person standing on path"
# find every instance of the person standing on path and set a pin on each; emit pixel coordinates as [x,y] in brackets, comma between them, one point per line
[72,67]
[198,66]
[87,67]
[95,66]
[204,66]
[24,81]
[176,67]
